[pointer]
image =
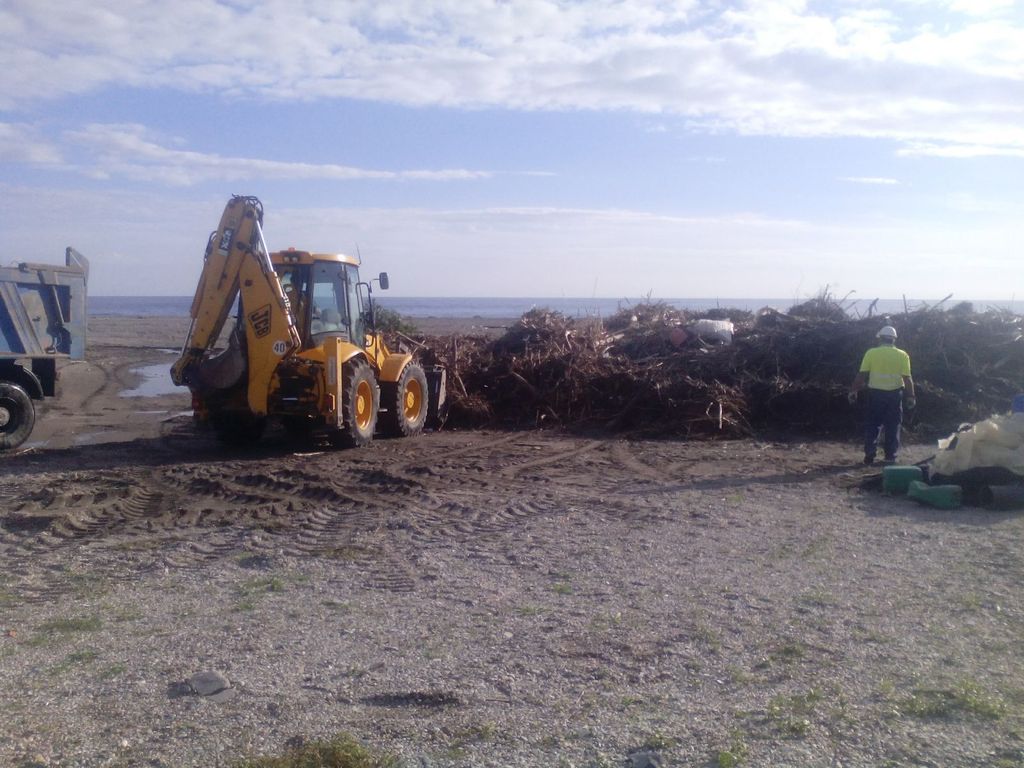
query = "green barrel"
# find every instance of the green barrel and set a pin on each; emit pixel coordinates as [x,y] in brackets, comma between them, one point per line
[939,496]
[898,479]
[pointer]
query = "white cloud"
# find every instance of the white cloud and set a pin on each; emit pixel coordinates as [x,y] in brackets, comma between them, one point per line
[21,144]
[909,71]
[982,7]
[878,180]
[926,149]
[145,244]
[128,151]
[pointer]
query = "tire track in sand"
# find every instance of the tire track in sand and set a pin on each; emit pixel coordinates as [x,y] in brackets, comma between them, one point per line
[379,509]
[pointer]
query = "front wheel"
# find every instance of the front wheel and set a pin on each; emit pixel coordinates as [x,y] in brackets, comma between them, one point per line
[360,401]
[17,415]
[406,402]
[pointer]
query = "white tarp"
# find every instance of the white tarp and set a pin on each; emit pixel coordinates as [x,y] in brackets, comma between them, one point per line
[995,442]
[713,330]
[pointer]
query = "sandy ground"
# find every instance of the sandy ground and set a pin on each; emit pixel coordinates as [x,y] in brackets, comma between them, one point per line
[485,598]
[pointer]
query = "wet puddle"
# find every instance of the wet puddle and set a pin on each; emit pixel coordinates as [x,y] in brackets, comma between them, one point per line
[156,381]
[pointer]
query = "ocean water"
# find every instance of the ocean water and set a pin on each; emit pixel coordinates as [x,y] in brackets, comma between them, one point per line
[178,306]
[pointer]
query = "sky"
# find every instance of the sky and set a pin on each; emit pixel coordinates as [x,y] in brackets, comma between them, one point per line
[536,148]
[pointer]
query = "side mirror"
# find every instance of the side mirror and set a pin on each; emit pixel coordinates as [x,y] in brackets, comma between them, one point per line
[383,279]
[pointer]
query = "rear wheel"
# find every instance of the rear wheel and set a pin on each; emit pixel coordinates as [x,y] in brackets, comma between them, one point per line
[360,401]
[406,402]
[17,415]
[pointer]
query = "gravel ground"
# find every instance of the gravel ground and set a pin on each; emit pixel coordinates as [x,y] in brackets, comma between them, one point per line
[486,599]
[505,600]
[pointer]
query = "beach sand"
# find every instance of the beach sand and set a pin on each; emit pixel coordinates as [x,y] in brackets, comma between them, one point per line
[483,598]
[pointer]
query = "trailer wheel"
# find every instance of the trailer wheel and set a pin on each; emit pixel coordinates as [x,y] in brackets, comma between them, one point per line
[406,402]
[360,401]
[17,415]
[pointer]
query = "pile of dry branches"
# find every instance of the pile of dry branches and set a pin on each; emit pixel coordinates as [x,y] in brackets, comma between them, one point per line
[642,370]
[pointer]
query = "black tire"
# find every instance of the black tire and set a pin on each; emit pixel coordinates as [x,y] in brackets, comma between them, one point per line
[17,415]
[406,401]
[360,401]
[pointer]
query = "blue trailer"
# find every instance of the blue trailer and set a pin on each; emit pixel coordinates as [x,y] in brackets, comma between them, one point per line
[42,321]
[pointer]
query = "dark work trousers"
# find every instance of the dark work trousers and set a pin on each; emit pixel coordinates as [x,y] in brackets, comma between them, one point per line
[884,411]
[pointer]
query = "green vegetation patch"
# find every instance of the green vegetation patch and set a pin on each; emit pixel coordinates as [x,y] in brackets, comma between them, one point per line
[114,670]
[342,751]
[250,590]
[475,734]
[791,714]
[733,755]
[784,655]
[530,610]
[59,629]
[707,635]
[78,658]
[261,585]
[389,321]
[658,742]
[967,698]
[87,585]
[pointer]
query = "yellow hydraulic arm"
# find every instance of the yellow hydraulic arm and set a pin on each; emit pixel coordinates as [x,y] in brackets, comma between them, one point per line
[237,262]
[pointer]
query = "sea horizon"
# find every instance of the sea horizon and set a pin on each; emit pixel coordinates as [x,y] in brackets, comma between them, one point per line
[510,307]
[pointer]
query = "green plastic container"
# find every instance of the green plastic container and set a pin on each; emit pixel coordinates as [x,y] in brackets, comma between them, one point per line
[898,479]
[939,496]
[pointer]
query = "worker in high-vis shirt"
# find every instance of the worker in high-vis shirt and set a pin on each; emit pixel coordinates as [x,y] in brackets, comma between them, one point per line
[885,372]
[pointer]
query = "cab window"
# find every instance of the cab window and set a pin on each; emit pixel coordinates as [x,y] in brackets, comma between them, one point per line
[295,283]
[334,299]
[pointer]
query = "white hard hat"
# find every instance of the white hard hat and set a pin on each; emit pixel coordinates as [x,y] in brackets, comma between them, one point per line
[887,332]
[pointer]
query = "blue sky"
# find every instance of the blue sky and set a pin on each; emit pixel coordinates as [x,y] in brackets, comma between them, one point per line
[534,148]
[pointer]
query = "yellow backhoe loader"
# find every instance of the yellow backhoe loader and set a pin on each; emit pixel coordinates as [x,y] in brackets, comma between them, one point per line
[304,348]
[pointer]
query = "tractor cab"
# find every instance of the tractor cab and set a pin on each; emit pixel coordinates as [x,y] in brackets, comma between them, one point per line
[326,296]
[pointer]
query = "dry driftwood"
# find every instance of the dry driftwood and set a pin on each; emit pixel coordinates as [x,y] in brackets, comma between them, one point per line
[783,373]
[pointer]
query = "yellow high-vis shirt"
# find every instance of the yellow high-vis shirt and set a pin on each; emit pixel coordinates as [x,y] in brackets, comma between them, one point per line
[886,366]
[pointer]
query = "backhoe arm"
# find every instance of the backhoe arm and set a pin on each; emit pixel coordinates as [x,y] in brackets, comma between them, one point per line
[237,261]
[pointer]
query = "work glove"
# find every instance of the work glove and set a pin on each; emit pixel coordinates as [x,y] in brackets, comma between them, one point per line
[851,397]
[909,403]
